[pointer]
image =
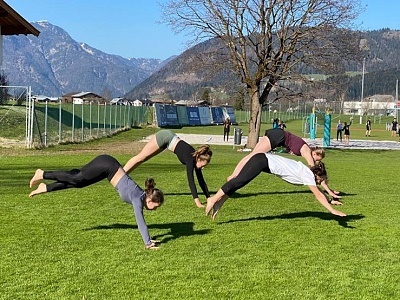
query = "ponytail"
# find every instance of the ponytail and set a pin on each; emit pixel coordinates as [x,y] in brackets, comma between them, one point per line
[154,194]
[320,172]
[203,153]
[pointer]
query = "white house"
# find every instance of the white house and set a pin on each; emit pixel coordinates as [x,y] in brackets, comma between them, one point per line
[374,105]
[43,98]
[137,103]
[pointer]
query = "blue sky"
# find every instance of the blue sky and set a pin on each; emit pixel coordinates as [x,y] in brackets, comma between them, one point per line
[130,28]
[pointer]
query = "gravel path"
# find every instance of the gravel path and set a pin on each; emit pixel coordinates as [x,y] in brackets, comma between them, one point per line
[354,144]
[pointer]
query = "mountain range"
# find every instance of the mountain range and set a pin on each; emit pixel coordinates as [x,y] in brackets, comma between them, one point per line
[54,64]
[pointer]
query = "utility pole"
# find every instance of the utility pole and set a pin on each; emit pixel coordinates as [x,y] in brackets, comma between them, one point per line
[397,99]
[362,90]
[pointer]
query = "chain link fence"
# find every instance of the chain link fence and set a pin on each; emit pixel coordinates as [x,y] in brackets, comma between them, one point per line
[56,123]
[53,122]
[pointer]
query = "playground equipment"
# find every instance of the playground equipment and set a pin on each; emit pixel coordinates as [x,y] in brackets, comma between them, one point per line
[327,129]
[311,127]
[312,121]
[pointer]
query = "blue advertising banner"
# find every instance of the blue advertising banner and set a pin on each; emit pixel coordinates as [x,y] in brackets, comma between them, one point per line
[166,115]
[230,112]
[160,115]
[193,115]
[182,115]
[205,117]
[217,115]
[171,115]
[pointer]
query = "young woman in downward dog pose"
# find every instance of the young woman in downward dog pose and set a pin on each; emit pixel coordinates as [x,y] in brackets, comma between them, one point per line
[101,167]
[194,160]
[291,171]
[278,137]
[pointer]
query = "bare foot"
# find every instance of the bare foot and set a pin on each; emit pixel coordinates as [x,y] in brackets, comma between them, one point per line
[217,206]
[209,207]
[215,211]
[37,177]
[40,190]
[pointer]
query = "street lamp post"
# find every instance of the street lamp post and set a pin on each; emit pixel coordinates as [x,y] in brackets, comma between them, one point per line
[362,90]
[397,99]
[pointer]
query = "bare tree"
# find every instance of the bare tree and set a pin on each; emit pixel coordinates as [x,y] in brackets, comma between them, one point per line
[266,41]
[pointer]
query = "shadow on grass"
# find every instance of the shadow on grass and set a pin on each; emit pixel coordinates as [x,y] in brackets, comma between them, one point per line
[342,221]
[244,195]
[176,230]
[239,195]
[345,194]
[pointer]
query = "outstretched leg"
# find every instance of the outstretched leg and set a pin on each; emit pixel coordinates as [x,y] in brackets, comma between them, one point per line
[256,164]
[263,146]
[150,150]
[36,177]
[101,167]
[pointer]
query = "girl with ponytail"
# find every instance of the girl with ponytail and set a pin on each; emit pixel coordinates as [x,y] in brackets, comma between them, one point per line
[194,160]
[101,167]
[291,171]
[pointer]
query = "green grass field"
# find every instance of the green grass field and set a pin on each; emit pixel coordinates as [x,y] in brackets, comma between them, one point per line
[272,240]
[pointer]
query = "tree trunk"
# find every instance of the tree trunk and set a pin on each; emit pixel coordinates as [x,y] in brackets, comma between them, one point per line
[255,117]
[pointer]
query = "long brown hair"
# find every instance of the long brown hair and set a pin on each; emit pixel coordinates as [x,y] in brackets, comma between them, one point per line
[203,153]
[154,194]
[319,172]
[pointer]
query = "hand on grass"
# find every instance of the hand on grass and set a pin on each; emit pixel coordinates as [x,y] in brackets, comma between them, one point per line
[336,202]
[152,246]
[338,213]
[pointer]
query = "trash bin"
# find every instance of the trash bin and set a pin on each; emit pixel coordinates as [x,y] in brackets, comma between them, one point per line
[237,132]
[307,128]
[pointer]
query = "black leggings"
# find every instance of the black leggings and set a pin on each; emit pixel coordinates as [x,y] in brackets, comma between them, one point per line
[257,163]
[101,167]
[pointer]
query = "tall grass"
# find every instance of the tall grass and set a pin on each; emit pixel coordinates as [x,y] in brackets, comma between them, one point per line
[271,240]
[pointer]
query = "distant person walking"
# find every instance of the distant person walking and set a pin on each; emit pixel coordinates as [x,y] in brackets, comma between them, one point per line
[395,125]
[227,128]
[368,127]
[339,129]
